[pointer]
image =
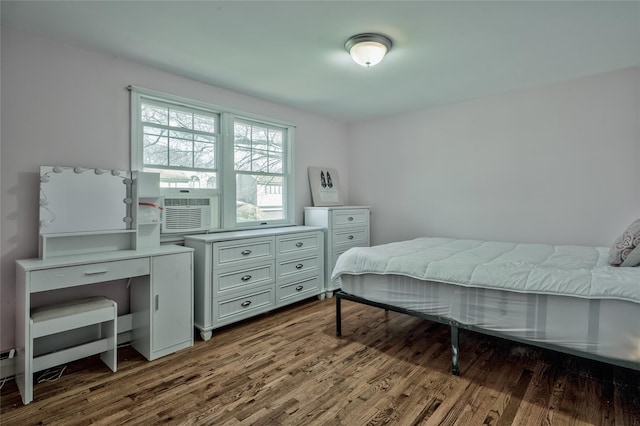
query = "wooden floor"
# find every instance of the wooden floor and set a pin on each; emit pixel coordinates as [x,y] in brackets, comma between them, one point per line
[289,368]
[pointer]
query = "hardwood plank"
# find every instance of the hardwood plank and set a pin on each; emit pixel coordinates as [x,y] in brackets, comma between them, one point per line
[288,368]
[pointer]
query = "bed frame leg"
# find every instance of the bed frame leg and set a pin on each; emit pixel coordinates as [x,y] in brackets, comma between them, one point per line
[338,317]
[455,351]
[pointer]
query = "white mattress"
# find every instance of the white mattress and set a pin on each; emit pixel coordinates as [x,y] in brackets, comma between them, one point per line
[605,327]
[575,271]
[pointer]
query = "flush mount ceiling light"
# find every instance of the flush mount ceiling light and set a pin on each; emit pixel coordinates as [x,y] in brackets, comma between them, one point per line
[368,49]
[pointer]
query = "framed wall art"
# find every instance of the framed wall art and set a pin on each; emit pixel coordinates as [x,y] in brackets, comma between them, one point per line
[325,187]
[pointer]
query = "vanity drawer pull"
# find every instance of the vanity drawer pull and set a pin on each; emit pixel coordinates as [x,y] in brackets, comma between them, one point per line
[350,218]
[299,244]
[97,272]
[245,303]
[246,278]
[350,237]
[299,288]
[299,266]
[245,252]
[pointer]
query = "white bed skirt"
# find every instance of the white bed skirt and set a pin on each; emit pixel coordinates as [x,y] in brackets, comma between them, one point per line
[606,328]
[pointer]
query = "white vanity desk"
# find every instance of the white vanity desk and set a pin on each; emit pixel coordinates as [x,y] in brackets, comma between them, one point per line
[98,226]
[161,298]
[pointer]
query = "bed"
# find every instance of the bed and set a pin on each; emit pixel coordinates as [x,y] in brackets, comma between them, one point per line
[561,297]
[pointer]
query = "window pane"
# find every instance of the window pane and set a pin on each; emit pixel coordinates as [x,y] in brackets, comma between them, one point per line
[180,119]
[154,114]
[204,155]
[242,158]
[259,198]
[180,153]
[258,148]
[259,163]
[155,147]
[275,162]
[275,138]
[204,123]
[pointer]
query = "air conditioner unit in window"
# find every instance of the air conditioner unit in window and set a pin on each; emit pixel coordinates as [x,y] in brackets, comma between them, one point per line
[187,214]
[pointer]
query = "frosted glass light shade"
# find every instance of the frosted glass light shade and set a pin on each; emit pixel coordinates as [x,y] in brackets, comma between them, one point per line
[368,49]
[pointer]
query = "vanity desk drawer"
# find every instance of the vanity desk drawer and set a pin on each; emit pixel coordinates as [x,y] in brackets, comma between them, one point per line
[69,276]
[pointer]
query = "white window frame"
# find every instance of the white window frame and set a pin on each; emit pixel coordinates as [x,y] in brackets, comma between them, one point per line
[226,188]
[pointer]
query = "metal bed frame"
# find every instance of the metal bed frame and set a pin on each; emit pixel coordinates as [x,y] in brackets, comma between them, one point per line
[455,326]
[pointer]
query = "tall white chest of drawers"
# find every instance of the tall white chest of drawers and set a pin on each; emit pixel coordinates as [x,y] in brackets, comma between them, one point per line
[346,227]
[244,273]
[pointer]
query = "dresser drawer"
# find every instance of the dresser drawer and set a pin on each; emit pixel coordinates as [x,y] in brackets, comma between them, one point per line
[230,253]
[245,278]
[239,307]
[69,276]
[292,244]
[356,217]
[352,237]
[299,289]
[294,267]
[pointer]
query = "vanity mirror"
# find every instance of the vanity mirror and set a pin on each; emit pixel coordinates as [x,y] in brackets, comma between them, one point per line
[84,209]
[76,199]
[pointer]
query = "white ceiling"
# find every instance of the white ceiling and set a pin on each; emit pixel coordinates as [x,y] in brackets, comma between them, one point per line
[292,52]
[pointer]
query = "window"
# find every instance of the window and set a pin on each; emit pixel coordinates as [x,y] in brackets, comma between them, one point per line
[179,143]
[243,160]
[259,170]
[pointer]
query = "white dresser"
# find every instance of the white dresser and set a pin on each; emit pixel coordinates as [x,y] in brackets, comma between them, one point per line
[244,273]
[346,227]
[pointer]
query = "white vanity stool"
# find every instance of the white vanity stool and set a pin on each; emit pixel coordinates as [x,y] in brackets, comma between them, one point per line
[58,318]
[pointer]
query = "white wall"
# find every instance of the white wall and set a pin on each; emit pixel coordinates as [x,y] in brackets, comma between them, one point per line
[556,164]
[64,105]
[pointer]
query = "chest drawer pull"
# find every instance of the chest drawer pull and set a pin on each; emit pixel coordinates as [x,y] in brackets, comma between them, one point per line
[299,244]
[245,252]
[299,266]
[246,278]
[350,237]
[299,288]
[97,272]
[245,303]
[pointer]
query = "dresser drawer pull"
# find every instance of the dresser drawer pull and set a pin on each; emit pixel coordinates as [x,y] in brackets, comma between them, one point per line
[299,244]
[299,288]
[246,252]
[98,272]
[245,303]
[299,266]
[350,237]
[350,218]
[246,278]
